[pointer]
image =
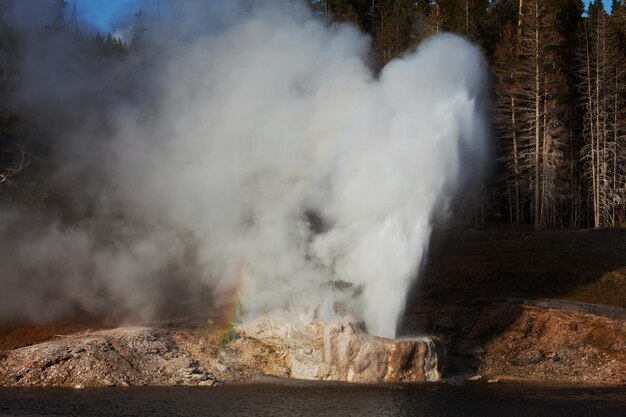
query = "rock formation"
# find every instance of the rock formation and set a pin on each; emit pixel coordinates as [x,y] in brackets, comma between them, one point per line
[131,356]
[128,356]
[315,350]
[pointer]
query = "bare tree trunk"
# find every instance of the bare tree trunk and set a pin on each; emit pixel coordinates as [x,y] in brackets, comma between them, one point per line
[597,150]
[466,17]
[74,17]
[592,132]
[615,139]
[482,203]
[397,41]
[603,167]
[537,122]
[515,160]
[544,159]
[520,16]
[508,194]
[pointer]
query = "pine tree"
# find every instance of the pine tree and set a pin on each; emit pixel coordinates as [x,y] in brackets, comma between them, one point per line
[618,21]
[4,13]
[8,44]
[465,17]
[618,112]
[138,33]
[602,82]
[109,46]
[354,12]
[393,23]
[417,31]
[507,72]
[540,112]
[57,10]
[436,19]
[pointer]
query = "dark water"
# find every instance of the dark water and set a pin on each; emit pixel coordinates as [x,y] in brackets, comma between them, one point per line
[299,399]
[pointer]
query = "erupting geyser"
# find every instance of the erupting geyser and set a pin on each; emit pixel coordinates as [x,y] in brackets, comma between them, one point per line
[302,180]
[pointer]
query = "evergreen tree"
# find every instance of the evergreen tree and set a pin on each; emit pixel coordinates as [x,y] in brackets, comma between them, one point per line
[4,13]
[507,70]
[618,21]
[418,22]
[436,19]
[499,15]
[57,11]
[602,84]
[8,44]
[466,17]
[109,46]
[138,33]
[530,111]
[393,18]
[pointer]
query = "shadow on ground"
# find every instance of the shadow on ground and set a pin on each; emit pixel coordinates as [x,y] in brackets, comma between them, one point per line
[522,295]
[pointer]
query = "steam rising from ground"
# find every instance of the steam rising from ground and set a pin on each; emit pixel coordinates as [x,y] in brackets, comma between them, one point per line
[274,169]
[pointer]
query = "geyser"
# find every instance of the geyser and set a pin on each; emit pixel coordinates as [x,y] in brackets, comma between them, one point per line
[301,179]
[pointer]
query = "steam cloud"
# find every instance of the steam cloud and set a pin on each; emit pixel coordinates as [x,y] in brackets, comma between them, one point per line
[266,164]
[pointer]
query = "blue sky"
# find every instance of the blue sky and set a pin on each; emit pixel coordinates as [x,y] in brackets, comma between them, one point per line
[104,13]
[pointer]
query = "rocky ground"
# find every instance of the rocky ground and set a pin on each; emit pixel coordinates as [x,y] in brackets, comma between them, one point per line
[118,357]
[499,304]
[530,340]
[517,304]
[539,340]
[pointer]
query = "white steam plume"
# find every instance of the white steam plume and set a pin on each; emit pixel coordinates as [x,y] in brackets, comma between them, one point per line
[301,179]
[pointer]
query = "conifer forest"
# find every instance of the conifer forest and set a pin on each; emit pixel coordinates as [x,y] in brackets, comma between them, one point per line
[557,97]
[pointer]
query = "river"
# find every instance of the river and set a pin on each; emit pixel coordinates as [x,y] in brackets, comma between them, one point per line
[320,399]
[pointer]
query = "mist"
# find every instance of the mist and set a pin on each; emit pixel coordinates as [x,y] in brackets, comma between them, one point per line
[260,165]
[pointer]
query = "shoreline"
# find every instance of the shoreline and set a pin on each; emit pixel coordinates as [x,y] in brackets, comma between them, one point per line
[305,383]
[540,346]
